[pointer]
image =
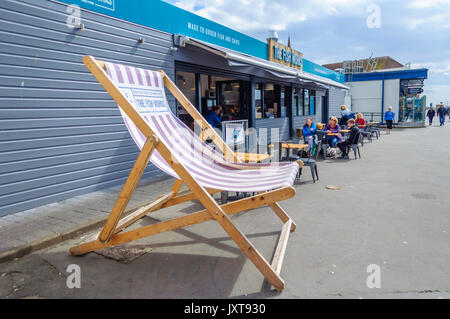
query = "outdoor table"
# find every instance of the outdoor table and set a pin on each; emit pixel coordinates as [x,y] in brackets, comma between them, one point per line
[292,146]
[252,157]
[333,134]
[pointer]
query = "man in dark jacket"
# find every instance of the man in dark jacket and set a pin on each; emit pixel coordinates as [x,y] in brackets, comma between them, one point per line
[352,139]
[441,112]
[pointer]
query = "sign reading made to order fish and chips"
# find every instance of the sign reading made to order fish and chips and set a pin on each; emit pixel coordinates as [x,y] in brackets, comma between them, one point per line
[282,54]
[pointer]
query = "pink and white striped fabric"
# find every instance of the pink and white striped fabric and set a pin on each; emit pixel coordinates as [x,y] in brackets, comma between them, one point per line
[145,90]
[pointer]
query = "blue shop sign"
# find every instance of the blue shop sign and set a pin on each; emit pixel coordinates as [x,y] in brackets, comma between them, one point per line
[163,16]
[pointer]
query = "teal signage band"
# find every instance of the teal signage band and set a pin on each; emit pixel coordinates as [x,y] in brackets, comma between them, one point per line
[163,16]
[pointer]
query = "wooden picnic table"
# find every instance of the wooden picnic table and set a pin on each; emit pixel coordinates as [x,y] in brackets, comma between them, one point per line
[292,146]
[252,157]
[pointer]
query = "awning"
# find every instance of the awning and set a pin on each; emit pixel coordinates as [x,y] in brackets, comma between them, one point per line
[240,60]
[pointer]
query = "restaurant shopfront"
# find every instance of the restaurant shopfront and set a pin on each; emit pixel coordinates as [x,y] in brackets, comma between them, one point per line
[62,135]
[268,99]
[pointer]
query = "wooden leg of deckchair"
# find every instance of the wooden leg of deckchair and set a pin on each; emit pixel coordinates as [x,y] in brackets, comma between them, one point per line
[128,189]
[277,260]
[282,215]
[251,252]
[188,220]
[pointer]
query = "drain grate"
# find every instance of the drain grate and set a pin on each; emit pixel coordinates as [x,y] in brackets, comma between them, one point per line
[124,253]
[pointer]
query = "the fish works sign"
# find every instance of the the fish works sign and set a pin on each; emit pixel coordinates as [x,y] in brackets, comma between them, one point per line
[282,54]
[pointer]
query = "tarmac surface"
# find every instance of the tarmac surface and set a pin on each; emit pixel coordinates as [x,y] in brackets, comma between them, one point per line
[391,211]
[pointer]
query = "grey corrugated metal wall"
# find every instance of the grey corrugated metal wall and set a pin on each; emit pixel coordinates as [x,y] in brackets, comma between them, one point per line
[61,134]
[336,99]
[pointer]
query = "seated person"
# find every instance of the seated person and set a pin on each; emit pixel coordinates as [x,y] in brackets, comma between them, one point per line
[214,116]
[309,133]
[333,127]
[346,114]
[345,111]
[343,146]
[360,121]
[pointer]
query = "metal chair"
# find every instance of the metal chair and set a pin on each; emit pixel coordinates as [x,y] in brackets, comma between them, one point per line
[311,162]
[312,165]
[355,146]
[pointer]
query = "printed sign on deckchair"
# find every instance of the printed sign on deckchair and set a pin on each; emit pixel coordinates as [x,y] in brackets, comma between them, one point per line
[174,148]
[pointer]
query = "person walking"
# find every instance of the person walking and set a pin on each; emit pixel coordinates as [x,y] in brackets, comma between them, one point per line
[389,117]
[441,113]
[431,114]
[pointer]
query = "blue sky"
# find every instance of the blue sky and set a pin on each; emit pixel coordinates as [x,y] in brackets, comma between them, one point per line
[416,31]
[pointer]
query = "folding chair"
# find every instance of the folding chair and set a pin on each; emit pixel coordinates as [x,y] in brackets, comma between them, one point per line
[177,150]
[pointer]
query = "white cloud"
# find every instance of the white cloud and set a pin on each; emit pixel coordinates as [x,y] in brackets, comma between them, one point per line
[423,4]
[428,13]
[440,67]
[251,15]
[438,21]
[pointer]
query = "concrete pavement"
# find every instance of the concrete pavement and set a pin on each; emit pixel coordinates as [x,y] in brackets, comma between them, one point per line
[391,211]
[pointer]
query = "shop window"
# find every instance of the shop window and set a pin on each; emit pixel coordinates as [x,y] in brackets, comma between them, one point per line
[271,98]
[185,81]
[230,98]
[208,92]
[283,98]
[259,100]
[312,103]
[297,103]
[306,108]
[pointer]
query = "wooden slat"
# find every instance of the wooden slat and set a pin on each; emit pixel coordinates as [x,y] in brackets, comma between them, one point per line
[282,215]
[141,212]
[278,257]
[191,219]
[128,188]
[182,198]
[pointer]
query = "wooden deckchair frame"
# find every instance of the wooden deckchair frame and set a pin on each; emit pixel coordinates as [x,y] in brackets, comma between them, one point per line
[112,232]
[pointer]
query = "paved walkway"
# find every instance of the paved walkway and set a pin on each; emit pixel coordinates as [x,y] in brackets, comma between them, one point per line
[34,229]
[391,211]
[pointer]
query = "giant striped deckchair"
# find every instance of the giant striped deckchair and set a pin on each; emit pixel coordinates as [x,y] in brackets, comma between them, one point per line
[175,149]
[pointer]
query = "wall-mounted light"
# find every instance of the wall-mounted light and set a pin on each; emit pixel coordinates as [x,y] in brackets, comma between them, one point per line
[80,27]
[141,41]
